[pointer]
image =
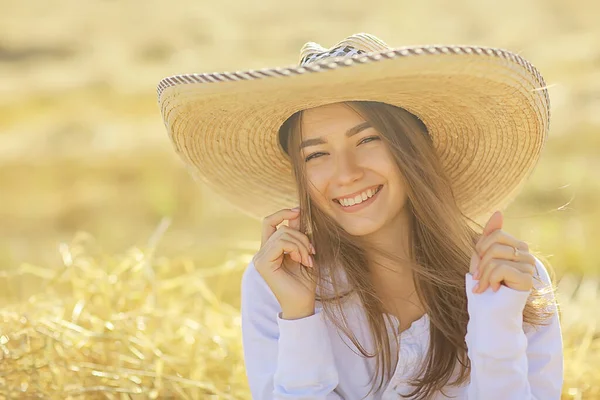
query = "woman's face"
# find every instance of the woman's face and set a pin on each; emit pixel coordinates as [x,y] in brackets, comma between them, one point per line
[350,170]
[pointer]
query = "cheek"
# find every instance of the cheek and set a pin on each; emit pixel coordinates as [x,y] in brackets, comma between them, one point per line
[384,165]
[380,161]
[397,179]
[317,182]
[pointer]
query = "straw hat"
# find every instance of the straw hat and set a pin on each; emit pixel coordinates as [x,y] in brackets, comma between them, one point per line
[486,109]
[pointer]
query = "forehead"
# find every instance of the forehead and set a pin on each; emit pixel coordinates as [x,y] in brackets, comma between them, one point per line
[329,119]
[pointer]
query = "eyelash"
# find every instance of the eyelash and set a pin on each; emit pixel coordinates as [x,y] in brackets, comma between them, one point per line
[365,140]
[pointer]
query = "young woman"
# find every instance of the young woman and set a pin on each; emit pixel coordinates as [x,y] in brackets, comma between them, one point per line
[382,283]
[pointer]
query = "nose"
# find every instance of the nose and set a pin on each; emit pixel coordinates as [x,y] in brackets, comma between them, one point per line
[347,170]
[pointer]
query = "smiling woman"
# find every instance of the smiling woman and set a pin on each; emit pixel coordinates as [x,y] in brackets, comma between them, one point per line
[350,150]
[383,284]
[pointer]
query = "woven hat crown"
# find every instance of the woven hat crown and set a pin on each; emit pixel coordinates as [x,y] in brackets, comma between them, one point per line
[357,44]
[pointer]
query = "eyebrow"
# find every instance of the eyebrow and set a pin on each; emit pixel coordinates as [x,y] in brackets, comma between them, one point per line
[350,132]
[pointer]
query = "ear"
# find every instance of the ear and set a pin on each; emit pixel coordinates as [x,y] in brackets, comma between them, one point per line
[494,223]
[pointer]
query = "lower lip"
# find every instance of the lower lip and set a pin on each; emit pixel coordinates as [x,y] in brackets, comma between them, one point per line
[359,206]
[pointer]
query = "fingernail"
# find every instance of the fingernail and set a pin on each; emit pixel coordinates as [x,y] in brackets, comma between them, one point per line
[296,209]
[476,274]
[476,288]
[311,262]
[312,248]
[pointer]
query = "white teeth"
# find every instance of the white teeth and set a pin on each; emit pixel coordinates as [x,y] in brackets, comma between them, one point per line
[358,199]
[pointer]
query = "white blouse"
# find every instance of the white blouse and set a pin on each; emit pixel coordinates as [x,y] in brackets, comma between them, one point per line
[309,358]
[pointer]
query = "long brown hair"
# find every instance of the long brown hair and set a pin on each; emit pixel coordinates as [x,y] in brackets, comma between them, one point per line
[442,240]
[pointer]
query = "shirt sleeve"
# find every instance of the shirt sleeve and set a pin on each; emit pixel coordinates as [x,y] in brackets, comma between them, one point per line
[509,360]
[285,359]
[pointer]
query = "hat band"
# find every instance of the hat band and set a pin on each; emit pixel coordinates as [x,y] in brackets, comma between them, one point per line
[341,51]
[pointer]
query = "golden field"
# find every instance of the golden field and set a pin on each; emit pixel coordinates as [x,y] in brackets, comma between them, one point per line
[118,271]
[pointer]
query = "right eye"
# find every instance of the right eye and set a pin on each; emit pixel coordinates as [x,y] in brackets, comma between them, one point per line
[313,155]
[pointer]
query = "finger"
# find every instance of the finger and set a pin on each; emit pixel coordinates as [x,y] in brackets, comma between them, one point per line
[499,274]
[270,223]
[494,223]
[525,262]
[299,235]
[505,252]
[524,268]
[474,264]
[512,278]
[293,253]
[499,236]
[484,276]
[302,254]
[296,256]
[295,223]
[484,273]
[488,269]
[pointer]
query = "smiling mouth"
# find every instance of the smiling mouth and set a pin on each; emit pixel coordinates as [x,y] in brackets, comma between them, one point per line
[374,194]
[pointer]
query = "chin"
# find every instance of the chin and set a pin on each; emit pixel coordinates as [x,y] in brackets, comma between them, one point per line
[359,227]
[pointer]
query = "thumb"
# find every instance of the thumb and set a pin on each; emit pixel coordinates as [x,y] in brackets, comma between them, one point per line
[474,263]
[494,223]
[294,223]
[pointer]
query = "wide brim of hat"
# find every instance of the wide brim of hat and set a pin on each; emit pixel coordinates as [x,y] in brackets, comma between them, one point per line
[487,111]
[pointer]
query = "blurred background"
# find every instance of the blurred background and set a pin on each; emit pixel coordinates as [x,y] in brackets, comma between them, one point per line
[83,147]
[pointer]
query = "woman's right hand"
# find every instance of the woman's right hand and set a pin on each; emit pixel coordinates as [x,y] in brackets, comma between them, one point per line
[279,260]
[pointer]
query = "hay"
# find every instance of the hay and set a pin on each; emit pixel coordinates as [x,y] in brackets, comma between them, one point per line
[118,327]
[136,327]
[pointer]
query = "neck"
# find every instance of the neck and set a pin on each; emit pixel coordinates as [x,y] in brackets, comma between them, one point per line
[391,277]
[393,280]
[392,238]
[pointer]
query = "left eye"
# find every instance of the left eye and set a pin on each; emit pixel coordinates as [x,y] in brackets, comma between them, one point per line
[368,139]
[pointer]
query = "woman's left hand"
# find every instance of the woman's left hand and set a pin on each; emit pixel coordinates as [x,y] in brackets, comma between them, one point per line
[501,259]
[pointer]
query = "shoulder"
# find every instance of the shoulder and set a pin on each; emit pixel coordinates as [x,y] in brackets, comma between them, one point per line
[255,293]
[544,296]
[542,277]
[251,277]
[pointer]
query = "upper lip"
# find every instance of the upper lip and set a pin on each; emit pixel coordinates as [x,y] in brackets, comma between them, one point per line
[352,195]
